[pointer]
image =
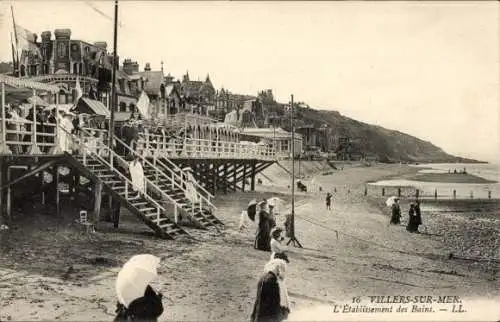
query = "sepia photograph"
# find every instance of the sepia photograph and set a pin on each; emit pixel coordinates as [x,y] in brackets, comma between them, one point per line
[262,161]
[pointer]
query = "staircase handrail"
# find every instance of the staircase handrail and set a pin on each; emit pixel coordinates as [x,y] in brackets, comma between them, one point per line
[176,167]
[113,154]
[116,171]
[174,182]
[195,183]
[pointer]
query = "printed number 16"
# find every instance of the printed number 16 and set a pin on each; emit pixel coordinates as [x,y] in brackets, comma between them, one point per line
[356,299]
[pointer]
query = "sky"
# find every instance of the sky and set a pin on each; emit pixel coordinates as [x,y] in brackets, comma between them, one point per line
[428,69]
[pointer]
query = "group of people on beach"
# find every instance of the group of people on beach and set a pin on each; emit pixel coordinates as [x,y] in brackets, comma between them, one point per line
[271,302]
[414,215]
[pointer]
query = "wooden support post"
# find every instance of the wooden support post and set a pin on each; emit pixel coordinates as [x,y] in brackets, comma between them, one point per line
[383,192]
[9,197]
[97,202]
[110,212]
[234,175]
[252,183]
[489,194]
[116,213]
[224,175]
[244,178]
[366,191]
[58,196]
[214,177]
[2,218]
[454,194]
[435,194]
[76,192]
[399,192]
[472,194]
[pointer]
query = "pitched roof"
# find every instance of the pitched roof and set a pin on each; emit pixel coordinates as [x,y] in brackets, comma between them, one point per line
[152,81]
[87,105]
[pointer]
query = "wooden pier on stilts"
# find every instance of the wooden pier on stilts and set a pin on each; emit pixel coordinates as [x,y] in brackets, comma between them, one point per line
[181,177]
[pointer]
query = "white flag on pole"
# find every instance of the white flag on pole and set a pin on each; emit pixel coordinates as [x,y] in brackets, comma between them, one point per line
[78,88]
[143,105]
[25,40]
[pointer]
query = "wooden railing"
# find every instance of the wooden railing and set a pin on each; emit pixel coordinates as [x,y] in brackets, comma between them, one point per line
[184,119]
[107,156]
[153,145]
[17,137]
[176,178]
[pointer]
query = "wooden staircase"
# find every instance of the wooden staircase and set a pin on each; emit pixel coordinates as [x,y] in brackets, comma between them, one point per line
[140,203]
[171,183]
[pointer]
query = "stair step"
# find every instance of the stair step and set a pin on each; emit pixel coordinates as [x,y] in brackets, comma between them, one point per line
[136,204]
[146,209]
[112,181]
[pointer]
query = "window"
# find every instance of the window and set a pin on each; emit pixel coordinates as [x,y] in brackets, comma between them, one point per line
[75,68]
[123,107]
[284,145]
[131,107]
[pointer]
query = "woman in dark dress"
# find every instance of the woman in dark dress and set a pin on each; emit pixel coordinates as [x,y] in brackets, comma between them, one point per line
[147,308]
[396,213]
[263,238]
[418,214]
[267,306]
[412,220]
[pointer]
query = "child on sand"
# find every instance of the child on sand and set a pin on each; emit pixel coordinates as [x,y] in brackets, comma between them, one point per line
[328,201]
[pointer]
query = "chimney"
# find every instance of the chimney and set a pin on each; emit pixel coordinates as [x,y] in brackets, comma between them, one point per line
[147,68]
[62,34]
[101,45]
[46,35]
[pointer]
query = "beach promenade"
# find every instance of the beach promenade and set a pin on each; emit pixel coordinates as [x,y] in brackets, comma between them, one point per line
[53,272]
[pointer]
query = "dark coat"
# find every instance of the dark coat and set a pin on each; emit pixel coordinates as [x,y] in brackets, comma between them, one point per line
[147,308]
[396,214]
[263,238]
[267,306]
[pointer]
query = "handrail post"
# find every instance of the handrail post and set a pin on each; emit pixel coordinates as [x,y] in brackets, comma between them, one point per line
[176,214]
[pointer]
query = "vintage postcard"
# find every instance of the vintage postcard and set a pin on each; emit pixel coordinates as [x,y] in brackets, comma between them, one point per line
[249,161]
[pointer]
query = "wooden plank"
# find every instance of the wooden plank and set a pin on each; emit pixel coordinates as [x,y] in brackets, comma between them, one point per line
[244,177]
[2,218]
[97,202]
[252,179]
[58,193]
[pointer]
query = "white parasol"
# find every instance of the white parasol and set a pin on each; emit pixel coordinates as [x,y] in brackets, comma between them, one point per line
[252,202]
[135,276]
[391,201]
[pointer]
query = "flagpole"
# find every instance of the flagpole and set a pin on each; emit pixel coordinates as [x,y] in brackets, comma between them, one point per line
[14,62]
[113,83]
[293,240]
[17,42]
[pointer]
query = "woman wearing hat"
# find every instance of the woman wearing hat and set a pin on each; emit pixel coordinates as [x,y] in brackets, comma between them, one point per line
[412,226]
[396,212]
[272,303]
[277,250]
[263,238]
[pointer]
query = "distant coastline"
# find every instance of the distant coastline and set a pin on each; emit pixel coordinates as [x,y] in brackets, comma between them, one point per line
[447,178]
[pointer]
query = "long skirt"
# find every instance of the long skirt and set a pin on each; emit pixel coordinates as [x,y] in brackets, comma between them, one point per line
[263,238]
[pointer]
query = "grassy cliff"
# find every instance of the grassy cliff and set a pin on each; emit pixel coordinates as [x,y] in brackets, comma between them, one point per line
[387,145]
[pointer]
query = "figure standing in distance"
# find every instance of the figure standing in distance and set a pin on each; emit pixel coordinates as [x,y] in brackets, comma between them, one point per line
[263,237]
[418,214]
[396,212]
[412,219]
[329,201]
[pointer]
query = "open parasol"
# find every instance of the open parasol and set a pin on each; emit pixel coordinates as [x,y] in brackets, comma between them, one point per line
[135,276]
[391,200]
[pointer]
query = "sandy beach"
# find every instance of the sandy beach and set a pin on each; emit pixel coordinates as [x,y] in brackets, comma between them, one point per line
[51,271]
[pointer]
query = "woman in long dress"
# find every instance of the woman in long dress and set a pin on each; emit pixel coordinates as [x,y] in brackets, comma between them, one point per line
[271,303]
[396,213]
[191,192]
[263,238]
[412,220]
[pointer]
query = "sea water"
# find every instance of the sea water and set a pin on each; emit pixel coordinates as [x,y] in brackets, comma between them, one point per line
[445,190]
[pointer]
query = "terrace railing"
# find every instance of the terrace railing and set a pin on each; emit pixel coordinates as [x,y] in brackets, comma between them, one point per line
[153,145]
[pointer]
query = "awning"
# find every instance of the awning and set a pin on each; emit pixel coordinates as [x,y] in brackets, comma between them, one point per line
[90,106]
[25,83]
